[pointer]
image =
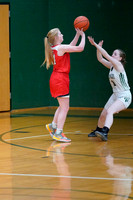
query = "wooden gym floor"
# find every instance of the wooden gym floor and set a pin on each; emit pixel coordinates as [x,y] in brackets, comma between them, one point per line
[34,167]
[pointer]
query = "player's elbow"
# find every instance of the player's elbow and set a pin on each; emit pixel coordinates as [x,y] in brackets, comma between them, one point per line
[100,60]
[81,48]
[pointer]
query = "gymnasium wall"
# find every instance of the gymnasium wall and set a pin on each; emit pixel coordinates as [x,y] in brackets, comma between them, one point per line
[29,82]
[110,21]
[30,21]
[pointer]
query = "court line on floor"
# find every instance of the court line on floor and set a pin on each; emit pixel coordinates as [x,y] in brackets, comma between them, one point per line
[39,136]
[31,137]
[66,153]
[27,137]
[71,177]
[76,132]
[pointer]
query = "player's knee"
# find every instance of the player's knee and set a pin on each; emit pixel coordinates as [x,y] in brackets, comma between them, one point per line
[110,111]
[65,108]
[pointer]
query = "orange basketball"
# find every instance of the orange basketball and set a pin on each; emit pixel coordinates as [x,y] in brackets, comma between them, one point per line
[81,22]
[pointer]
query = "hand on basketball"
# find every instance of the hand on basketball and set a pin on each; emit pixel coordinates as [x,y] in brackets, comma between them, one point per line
[79,31]
[91,40]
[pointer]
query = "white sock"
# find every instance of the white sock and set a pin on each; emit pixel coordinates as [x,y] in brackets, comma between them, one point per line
[58,131]
[54,125]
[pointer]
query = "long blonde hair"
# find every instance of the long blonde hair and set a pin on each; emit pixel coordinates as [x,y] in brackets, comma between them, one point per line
[48,42]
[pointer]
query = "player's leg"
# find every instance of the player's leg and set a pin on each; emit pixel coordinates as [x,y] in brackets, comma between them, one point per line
[100,125]
[102,117]
[63,110]
[116,107]
[53,126]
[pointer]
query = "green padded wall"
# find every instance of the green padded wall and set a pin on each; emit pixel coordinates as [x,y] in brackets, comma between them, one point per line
[110,20]
[29,82]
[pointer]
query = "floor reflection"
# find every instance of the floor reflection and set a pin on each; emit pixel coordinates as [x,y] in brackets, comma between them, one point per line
[121,188]
[63,187]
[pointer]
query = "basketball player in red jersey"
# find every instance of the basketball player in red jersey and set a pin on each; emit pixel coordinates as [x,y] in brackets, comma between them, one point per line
[57,54]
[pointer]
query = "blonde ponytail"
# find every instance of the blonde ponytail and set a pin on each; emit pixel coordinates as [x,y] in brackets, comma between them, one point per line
[48,42]
[48,54]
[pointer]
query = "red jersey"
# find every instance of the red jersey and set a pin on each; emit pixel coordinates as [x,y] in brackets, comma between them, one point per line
[61,63]
[59,80]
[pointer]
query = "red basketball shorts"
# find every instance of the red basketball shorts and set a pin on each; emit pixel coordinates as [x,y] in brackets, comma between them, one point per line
[59,84]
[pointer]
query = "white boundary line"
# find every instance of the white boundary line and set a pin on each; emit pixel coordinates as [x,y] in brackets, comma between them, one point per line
[76,132]
[71,177]
[26,137]
[34,137]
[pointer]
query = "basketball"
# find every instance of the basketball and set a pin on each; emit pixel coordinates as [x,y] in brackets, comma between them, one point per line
[81,22]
